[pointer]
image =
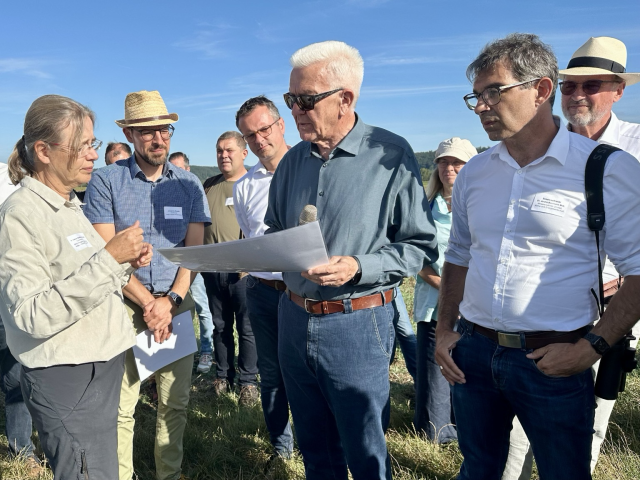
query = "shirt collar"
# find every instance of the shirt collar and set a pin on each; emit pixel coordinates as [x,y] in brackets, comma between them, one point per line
[350,143]
[558,150]
[48,195]
[611,134]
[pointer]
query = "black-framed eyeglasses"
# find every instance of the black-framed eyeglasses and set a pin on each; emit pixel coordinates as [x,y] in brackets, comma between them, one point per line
[148,134]
[84,149]
[264,132]
[306,102]
[491,96]
[590,87]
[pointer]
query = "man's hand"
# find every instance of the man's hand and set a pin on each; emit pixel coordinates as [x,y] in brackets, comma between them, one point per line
[445,342]
[126,245]
[336,273]
[158,315]
[565,359]
[144,259]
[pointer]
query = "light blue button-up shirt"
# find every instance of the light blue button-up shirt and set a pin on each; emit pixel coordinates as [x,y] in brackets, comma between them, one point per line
[371,205]
[121,194]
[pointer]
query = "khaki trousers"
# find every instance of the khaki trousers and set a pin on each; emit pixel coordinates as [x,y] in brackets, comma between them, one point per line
[173,383]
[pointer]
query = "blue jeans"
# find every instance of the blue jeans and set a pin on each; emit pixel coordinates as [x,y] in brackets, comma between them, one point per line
[199,294]
[556,412]
[336,371]
[262,302]
[433,415]
[228,302]
[17,417]
[405,335]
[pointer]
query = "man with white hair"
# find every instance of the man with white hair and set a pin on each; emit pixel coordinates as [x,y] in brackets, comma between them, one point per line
[336,320]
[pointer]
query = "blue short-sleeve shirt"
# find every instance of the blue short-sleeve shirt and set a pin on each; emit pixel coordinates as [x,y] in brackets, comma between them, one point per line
[121,194]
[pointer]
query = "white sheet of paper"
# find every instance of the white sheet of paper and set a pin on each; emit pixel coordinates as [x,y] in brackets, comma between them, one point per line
[151,356]
[293,250]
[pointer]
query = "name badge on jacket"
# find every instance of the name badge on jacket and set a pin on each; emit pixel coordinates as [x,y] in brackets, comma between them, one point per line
[228,201]
[173,213]
[78,241]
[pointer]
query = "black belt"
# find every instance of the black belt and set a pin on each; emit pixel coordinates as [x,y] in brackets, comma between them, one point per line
[529,340]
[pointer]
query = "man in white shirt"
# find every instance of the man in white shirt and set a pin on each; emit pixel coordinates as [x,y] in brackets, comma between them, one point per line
[263,129]
[593,81]
[520,267]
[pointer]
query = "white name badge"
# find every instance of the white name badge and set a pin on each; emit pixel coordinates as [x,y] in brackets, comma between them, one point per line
[173,213]
[78,241]
[549,203]
[228,201]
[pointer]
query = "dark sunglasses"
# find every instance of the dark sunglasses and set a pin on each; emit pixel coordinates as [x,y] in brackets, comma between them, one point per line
[306,102]
[590,87]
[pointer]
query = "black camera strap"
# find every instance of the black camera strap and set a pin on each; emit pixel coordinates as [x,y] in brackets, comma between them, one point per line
[593,176]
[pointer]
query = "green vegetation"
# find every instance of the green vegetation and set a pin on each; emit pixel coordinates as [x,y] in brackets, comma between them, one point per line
[225,441]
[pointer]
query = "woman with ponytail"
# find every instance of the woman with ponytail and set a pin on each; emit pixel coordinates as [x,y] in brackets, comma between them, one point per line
[61,292]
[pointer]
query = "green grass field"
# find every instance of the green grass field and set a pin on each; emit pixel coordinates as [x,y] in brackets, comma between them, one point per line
[225,441]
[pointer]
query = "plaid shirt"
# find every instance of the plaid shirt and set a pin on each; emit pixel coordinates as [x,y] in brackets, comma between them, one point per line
[121,194]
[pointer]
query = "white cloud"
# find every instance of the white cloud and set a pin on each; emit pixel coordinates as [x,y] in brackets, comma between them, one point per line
[204,42]
[23,66]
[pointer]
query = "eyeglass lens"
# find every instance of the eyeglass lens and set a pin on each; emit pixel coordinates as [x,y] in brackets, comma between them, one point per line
[590,87]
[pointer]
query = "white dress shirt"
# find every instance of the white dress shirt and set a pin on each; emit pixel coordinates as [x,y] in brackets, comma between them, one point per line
[624,135]
[523,234]
[251,198]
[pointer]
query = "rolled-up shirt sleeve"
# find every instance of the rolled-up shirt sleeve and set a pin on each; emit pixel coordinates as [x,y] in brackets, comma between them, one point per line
[38,304]
[622,205]
[458,250]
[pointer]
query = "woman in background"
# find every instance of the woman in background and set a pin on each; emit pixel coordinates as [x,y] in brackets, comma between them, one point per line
[433,414]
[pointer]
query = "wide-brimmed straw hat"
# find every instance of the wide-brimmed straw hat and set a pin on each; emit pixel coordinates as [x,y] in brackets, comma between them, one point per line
[601,56]
[456,147]
[145,109]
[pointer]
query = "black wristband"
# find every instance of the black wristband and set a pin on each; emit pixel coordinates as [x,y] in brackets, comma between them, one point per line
[358,275]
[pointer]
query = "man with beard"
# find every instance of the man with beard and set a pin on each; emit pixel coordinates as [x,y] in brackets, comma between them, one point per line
[172,209]
[593,81]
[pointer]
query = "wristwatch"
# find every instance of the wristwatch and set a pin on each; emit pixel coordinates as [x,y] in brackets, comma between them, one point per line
[598,343]
[177,299]
[358,275]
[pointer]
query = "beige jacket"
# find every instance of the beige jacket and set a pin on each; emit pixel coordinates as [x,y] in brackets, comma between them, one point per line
[60,290]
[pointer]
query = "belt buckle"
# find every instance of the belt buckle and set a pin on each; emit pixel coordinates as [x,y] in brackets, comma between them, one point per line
[305,304]
[510,340]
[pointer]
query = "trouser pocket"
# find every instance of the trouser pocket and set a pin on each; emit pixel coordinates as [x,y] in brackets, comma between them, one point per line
[81,462]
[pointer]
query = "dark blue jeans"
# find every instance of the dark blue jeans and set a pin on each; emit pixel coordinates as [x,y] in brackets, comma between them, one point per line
[556,412]
[17,417]
[433,415]
[228,301]
[262,302]
[336,370]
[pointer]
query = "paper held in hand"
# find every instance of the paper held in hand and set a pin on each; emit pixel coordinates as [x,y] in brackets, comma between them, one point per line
[293,250]
[151,356]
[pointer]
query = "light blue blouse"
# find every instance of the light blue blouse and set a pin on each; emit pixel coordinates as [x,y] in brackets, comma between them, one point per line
[425,299]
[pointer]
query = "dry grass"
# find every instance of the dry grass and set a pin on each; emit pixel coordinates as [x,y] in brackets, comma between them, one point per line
[226,441]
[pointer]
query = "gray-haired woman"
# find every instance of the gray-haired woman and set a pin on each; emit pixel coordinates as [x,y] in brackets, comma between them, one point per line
[433,398]
[61,292]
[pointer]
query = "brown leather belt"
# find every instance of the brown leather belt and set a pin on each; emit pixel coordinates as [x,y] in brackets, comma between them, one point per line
[276,284]
[319,307]
[532,340]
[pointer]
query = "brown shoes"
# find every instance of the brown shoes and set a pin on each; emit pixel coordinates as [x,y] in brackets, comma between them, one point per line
[220,386]
[248,396]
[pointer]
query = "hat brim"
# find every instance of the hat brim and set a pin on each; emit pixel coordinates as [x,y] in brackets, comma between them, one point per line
[456,153]
[148,122]
[629,78]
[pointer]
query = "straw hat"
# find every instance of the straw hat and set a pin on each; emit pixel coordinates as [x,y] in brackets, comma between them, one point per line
[601,56]
[145,109]
[456,147]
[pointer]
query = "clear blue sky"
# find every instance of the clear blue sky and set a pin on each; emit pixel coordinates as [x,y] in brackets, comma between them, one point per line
[207,57]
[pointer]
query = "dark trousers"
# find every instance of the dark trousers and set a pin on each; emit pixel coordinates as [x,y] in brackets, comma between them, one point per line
[433,415]
[17,417]
[75,409]
[227,301]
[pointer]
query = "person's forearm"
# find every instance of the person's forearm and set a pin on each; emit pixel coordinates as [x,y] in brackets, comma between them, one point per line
[430,277]
[451,293]
[622,313]
[137,293]
[183,281]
